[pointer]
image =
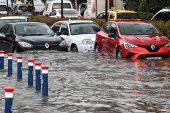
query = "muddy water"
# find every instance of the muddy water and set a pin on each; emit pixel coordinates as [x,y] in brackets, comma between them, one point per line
[91,83]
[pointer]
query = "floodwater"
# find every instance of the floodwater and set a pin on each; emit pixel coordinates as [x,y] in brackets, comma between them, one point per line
[91,83]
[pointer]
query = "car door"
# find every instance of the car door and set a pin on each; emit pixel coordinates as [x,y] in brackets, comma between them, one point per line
[65,34]
[7,41]
[112,37]
[104,38]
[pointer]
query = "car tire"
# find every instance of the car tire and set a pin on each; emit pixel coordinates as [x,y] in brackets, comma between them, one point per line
[74,48]
[96,48]
[119,54]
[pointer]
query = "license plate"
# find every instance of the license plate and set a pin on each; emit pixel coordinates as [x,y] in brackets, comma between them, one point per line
[157,58]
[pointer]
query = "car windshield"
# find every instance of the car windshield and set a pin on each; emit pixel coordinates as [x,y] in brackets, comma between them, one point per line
[137,29]
[84,28]
[127,16]
[5,21]
[33,29]
[69,12]
[2,7]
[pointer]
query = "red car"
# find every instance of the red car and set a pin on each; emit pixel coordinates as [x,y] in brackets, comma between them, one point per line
[132,39]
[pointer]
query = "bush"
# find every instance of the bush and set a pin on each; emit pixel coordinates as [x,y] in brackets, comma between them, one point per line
[145,16]
[163,26]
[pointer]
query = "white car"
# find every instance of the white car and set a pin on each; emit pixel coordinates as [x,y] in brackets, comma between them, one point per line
[163,14]
[67,13]
[3,8]
[80,35]
[12,19]
[56,4]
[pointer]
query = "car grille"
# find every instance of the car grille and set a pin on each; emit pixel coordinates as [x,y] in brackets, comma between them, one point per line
[42,47]
[152,56]
[152,48]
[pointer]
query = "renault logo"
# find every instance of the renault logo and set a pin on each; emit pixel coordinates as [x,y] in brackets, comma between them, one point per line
[153,47]
[47,45]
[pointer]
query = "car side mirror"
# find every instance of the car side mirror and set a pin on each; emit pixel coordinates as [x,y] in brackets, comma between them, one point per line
[64,33]
[58,33]
[10,35]
[113,35]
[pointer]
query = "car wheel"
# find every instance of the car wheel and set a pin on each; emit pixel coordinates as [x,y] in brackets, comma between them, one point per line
[119,54]
[74,48]
[96,48]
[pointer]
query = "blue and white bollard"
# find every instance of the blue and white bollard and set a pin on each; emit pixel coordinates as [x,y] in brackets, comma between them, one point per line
[9,64]
[19,68]
[1,59]
[45,80]
[38,76]
[30,72]
[8,99]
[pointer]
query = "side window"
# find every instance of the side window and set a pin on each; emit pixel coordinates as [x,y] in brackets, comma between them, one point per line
[112,16]
[10,30]
[64,29]
[101,16]
[112,28]
[4,29]
[56,27]
[106,27]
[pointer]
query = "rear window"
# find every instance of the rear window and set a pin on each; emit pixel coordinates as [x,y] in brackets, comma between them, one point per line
[69,12]
[84,28]
[127,16]
[58,5]
[2,7]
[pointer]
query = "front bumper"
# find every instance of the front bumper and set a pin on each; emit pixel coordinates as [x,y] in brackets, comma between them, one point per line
[85,48]
[142,53]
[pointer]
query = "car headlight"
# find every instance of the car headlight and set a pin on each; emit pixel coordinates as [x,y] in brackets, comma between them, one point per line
[168,44]
[128,45]
[25,44]
[87,42]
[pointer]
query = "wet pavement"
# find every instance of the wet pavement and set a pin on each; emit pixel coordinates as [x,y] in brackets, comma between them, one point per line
[91,83]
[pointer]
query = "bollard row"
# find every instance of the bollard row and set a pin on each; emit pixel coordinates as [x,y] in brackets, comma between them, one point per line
[40,72]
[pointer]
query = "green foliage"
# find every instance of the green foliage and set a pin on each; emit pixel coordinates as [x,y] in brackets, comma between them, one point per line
[163,26]
[145,16]
[153,5]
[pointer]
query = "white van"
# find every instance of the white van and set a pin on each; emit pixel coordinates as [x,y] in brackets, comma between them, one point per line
[3,8]
[56,4]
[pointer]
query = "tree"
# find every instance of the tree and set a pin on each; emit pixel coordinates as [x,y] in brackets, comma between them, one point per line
[154,5]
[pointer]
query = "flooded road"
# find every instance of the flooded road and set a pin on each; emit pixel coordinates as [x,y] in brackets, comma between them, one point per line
[90,83]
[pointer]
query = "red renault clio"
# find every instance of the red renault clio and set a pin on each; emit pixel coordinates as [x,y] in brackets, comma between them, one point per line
[132,39]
